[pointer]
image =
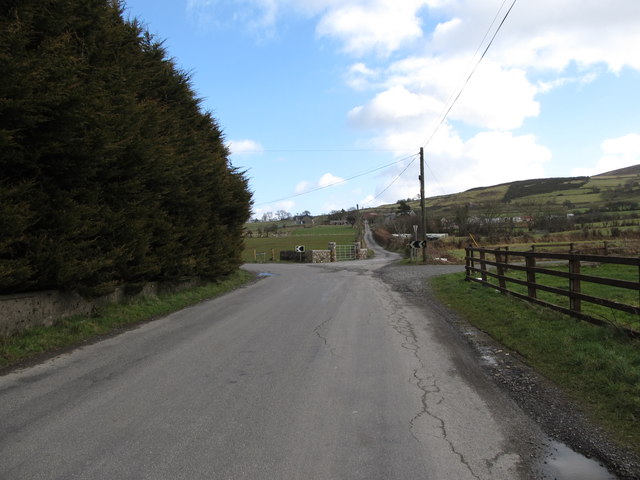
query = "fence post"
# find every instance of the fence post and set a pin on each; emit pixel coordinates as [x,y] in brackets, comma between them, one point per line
[473,257]
[500,258]
[467,262]
[506,258]
[483,267]
[574,285]
[531,276]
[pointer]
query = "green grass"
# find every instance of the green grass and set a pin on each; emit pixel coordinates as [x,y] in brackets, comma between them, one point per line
[343,231]
[616,294]
[73,330]
[598,367]
[315,238]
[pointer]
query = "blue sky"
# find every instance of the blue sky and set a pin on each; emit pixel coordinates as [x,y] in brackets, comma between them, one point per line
[326,103]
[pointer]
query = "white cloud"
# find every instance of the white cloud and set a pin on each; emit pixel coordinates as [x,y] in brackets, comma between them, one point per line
[454,165]
[542,34]
[286,205]
[328,179]
[418,90]
[380,26]
[617,153]
[302,187]
[360,77]
[325,180]
[412,67]
[393,107]
[547,86]
[239,147]
[547,34]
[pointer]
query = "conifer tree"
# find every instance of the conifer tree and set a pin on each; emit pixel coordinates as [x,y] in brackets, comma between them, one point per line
[110,172]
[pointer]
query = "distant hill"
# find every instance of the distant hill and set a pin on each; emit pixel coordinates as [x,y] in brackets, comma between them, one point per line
[634,170]
[608,192]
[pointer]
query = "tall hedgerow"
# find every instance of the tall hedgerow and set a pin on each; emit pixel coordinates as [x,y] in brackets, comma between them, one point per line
[110,171]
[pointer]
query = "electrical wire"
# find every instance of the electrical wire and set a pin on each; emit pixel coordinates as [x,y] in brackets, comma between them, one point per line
[394,180]
[344,180]
[454,98]
[448,107]
[466,82]
[317,150]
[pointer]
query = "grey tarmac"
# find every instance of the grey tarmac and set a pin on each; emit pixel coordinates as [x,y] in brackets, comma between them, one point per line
[311,372]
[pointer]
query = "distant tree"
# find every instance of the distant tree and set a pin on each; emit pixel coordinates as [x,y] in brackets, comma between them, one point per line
[403,208]
[489,216]
[337,215]
[282,215]
[462,220]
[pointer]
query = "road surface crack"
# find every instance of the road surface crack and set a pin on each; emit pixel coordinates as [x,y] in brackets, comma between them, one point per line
[430,395]
[317,329]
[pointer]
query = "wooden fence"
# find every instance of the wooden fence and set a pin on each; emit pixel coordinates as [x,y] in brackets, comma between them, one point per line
[479,261]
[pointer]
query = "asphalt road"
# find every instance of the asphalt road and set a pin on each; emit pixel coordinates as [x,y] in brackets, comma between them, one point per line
[312,372]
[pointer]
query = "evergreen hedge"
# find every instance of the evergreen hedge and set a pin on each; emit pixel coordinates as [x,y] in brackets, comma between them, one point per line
[110,171]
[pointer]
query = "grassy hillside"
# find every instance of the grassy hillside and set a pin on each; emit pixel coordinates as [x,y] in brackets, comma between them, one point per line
[610,200]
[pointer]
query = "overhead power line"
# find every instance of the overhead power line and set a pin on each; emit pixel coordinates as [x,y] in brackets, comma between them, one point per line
[314,150]
[473,70]
[447,109]
[395,179]
[454,98]
[344,180]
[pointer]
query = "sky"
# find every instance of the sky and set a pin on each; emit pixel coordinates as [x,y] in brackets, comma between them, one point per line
[325,104]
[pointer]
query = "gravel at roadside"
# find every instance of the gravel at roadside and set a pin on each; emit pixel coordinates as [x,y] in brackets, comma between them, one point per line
[543,401]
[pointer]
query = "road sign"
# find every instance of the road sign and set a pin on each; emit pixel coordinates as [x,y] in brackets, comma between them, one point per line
[300,248]
[419,244]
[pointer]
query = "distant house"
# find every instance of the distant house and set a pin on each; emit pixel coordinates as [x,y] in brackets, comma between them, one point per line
[307,221]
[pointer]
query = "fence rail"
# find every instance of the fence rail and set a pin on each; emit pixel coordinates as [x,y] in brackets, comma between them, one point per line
[478,261]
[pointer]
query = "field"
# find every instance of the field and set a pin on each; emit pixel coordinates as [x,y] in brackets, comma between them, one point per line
[316,238]
[616,294]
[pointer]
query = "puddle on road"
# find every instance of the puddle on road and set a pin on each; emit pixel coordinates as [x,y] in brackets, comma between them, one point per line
[562,463]
[267,274]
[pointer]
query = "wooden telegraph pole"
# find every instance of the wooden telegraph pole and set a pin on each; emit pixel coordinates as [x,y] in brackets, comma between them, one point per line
[422,207]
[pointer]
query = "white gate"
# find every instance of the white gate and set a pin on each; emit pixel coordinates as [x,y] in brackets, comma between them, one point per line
[345,252]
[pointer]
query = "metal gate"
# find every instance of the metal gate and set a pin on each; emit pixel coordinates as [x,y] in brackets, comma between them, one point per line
[345,252]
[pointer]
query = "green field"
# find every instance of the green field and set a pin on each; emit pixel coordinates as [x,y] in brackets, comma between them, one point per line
[315,238]
[616,294]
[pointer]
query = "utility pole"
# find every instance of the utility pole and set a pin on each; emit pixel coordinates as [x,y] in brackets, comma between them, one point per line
[422,207]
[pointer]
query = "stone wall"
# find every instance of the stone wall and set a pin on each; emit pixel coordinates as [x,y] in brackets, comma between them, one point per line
[24,310]
[320,256]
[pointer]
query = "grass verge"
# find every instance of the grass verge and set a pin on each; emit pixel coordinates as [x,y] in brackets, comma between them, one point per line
[70,331]
[598,367]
